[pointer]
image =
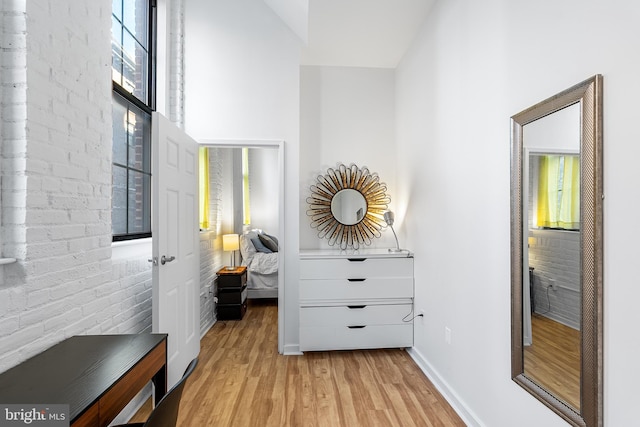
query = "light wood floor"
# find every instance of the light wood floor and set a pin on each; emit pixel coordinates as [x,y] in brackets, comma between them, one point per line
[241,380]
[553,361]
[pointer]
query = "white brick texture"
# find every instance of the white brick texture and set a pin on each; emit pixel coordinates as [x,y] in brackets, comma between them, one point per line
[56,176]
[55,165]
[210,243]
[555,256]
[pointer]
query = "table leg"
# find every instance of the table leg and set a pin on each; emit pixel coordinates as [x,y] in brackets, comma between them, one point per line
[160,384]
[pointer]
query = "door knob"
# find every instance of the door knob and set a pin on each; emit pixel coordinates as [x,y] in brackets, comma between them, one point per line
[165,260]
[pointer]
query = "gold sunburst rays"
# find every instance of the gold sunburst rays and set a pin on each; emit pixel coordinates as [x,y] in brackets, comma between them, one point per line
[367,226]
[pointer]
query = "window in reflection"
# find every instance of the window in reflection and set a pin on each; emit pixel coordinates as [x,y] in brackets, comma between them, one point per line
[557,199]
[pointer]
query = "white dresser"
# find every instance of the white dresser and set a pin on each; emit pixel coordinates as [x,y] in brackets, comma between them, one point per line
[355,299]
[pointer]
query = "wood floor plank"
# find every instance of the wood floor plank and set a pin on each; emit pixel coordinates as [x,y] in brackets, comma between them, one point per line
[241,380]
[553,361]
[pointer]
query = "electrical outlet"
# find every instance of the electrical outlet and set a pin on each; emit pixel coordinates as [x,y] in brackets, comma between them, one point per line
[421,313]
[447,335]
[553,285]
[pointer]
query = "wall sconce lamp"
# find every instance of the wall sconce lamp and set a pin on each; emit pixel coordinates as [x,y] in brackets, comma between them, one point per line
[389,218]
[231,243]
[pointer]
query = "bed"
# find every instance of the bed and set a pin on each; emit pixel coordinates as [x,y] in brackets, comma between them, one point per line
[261,260]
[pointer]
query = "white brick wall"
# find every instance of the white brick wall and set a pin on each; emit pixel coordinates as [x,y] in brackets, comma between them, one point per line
[555,256]
[211,259]
[176,66]
[56,180]
[55,126]
[13,112]
[208,252]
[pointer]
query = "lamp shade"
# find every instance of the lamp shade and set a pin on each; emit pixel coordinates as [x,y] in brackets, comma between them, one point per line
[389,217]
[230,242]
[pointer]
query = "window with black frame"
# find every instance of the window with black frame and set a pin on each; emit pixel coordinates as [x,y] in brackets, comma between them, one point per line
[133,34]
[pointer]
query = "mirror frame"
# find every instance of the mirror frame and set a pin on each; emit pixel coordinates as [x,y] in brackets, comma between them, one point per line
[589,94]
[342,178]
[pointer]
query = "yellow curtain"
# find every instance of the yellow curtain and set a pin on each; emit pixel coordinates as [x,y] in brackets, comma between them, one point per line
[203,175]
[246,200]
[559,192]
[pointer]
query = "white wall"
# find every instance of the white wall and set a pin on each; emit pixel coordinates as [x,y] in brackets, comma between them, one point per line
[241,77]
[347,116]
[473,65]
[242,82]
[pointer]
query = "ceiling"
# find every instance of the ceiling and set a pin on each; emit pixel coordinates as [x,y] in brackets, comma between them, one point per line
[361,33]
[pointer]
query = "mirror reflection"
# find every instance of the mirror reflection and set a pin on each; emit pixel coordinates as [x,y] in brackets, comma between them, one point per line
[348,206]
[552,274]
[551,258]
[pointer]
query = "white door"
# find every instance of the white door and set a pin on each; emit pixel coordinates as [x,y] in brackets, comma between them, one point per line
[176,250]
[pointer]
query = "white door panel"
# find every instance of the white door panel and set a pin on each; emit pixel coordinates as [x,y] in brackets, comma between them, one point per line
[176,274]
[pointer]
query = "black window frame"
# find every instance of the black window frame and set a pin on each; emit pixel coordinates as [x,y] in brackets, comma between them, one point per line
[147,106]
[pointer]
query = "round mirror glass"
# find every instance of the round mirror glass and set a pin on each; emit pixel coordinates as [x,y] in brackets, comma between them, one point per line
[348,206]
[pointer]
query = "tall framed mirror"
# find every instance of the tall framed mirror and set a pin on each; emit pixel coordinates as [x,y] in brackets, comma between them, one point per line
[556,252]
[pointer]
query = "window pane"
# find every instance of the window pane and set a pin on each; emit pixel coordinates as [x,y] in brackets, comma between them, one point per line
[130,47]
[139,139]
[116,8]
[142,74]
[119,130]
[135,75]
[139,202]
[116,51]
[119,201]
[136,19]
[129,63]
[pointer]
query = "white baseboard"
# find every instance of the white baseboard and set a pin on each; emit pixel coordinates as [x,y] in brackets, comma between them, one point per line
[469,418]
[292,350]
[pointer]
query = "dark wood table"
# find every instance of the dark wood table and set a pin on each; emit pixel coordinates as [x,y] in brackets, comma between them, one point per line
[96,375]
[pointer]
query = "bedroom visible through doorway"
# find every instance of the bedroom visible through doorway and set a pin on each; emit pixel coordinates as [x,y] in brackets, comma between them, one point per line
[246,180]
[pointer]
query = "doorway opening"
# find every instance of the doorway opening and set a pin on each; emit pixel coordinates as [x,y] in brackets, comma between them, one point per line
[267,207]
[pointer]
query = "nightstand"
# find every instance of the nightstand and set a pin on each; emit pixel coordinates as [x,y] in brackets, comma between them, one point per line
[232,293]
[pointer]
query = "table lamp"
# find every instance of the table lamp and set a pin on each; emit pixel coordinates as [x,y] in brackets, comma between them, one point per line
[389,218]
[231,243]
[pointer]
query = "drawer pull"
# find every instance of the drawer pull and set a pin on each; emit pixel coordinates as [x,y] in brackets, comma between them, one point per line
[354,307]
[356,259]
[357,327]
[356,280]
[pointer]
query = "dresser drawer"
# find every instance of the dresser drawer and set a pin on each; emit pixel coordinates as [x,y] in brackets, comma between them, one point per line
[316,338]
[232,278]
[355,289]
[232,295]
[355,315]
[356,268]
[355,300]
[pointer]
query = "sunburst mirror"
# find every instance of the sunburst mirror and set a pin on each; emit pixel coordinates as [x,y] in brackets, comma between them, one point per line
[347,206]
